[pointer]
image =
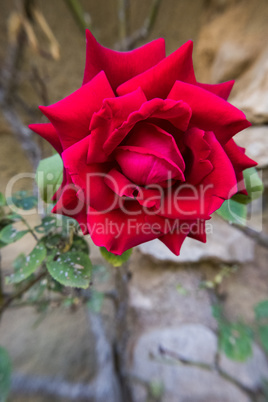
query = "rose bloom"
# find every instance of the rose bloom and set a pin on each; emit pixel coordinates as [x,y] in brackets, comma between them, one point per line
[147,150]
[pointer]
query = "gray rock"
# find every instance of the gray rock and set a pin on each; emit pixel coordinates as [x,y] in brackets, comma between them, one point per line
[252,95]
[231,60]
[180,382]
[189,342]
[255,140]
[224,243]
[250,373]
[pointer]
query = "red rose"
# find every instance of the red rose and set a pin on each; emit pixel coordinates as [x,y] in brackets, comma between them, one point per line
[147,150]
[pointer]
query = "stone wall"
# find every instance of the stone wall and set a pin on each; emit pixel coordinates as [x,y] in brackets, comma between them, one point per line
[166,334]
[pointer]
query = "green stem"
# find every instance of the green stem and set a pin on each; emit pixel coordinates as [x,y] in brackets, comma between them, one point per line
[78,14]
[20,292]
[30,229]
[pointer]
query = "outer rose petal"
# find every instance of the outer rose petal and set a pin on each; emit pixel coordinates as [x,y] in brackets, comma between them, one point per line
[216,203]
[71,116]
[158,80]
[198,164]
[120,66]
[174,240]
[185,202]
[118,231]
[65,181]
[70,205]
[221,182]
[222,90]
[49,133]
[223,119]
[237,156]
[198,231]
[90,178]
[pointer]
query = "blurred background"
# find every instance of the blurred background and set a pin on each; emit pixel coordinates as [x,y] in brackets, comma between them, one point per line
[162,344]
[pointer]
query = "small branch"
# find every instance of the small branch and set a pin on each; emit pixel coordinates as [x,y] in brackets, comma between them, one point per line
[20,292]
[23,134]
[39,85]
[83,19]
[130,41]
[123,20]
[259,237]
[30,229]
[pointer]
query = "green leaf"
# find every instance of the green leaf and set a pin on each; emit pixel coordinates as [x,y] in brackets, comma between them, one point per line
[29,264]
[115,260]
[48,223]
[10,234]
[181,290]
[49,176]
[19,261]
[23,200]
[5,374]
[233,211]
[261,310]
[80,244]
[263,333]
[217,312]
[2,200]
[71,269]
[235,339]
[67,224]
[14,217]
[156,389]
[96,301]
[253,184]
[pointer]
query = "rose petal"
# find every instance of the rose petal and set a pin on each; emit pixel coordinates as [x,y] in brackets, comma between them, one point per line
[237,156]
[90,178]
[178,113]
[198,231]
[158,80]
[222,180]
[222,90]
[216,203]
[49,133]
[118,231]
[65,180]
[144,166]
[148,197]
[174,240]
[120,66]
[155,139]
[185,201]
[70,205]
[71,116]
[197,164]
[210,112]
[105,122]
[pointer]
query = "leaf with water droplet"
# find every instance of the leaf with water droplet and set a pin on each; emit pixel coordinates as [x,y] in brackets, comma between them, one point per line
[48,223]
[71,269]
[10,234]
[28,265]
